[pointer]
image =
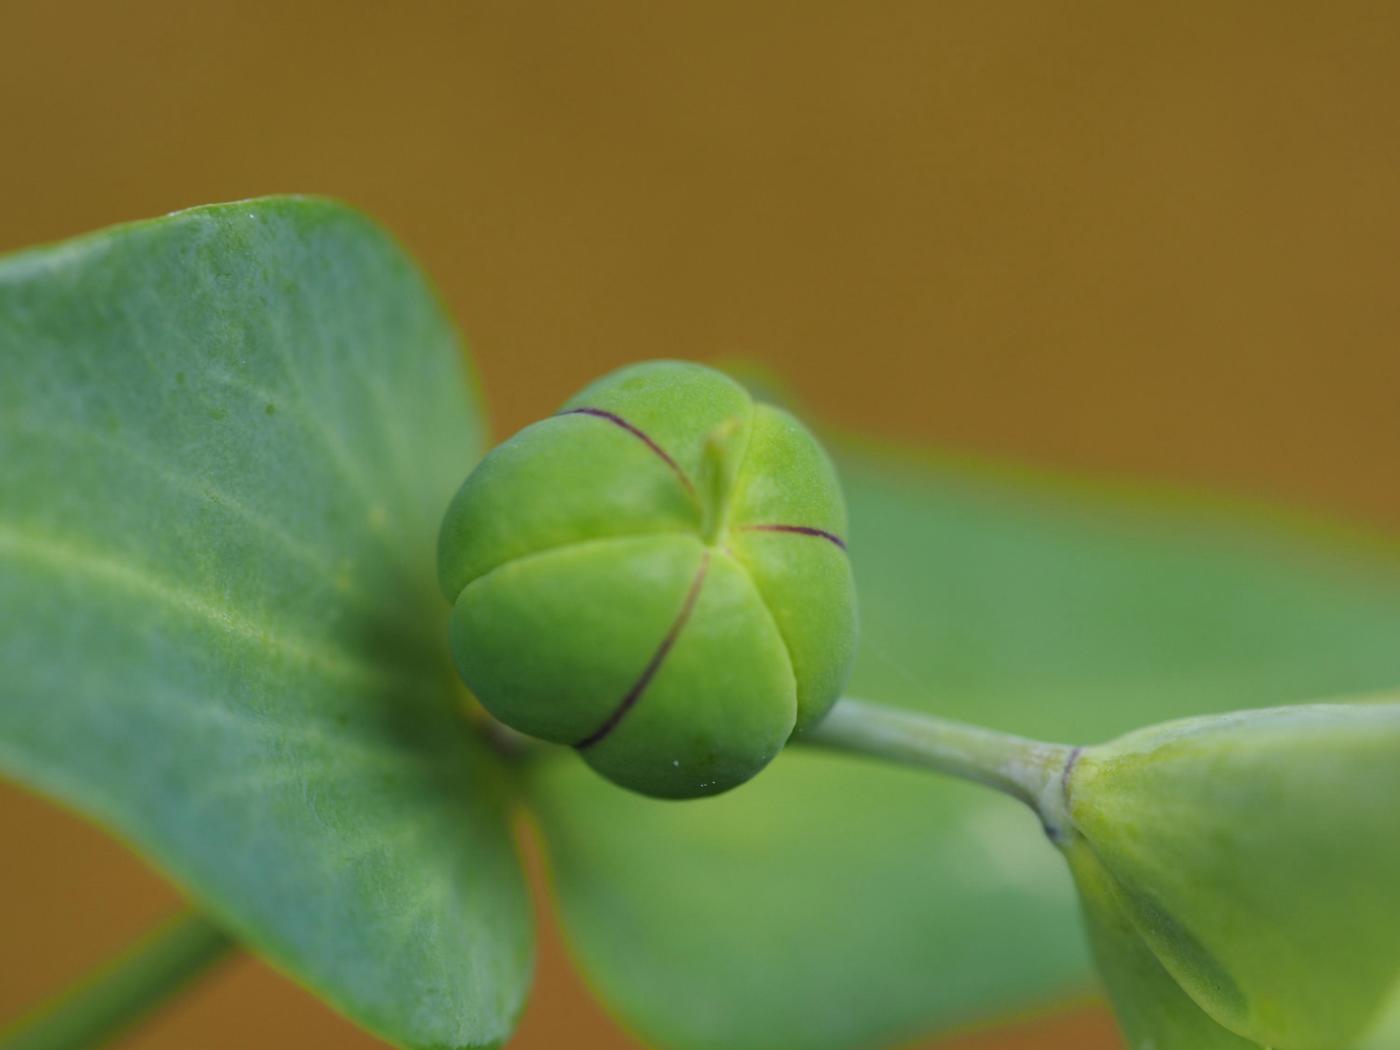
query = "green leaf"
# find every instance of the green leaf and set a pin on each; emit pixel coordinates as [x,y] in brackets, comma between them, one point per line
[226,440]
[832,903]
[1257,856]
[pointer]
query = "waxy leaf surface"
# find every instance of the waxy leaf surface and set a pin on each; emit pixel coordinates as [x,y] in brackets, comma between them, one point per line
[226,440]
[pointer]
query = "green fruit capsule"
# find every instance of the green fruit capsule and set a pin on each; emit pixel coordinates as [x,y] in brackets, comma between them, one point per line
[655,576]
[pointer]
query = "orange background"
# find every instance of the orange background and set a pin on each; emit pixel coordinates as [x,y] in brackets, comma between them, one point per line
[1150,240]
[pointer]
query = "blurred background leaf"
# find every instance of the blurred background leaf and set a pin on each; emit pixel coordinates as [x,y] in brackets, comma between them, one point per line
[1152,242]
[227,438]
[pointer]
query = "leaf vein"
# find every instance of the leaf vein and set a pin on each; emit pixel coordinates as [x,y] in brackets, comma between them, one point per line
[21,546]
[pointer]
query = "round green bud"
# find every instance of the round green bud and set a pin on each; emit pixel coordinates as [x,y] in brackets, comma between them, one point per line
[655,576]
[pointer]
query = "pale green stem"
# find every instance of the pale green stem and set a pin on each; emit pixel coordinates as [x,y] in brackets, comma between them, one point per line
[104,1004]
[1025,769]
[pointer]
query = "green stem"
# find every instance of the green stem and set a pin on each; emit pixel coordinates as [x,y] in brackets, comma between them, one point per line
[1025,769]
[111,999]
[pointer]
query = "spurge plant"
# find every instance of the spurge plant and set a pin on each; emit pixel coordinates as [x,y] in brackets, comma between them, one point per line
[229,442]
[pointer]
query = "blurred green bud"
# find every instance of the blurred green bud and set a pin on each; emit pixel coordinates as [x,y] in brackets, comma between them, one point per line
[656,576]
[1241,876]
